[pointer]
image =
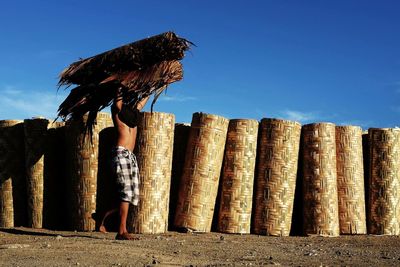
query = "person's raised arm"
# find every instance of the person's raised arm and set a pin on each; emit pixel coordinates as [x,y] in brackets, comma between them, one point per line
[142,103]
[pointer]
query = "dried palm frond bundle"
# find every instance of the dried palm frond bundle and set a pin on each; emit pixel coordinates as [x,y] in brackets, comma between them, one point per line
[82,159]
[154,147]
[238,177]
[131,72]
[320,196]
[13,201]
[35,143]
[199,183]
[384,184]
[350,180]
[279,143]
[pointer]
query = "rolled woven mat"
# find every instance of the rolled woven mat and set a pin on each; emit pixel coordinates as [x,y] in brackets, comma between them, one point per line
[321,215]
[384,186]
[279,143]
[350,180]
[56,197]
[6,204]
[181,137]
[12,174]
[82,167]
[154,146]
[199,183]
[35,131]
[238,177]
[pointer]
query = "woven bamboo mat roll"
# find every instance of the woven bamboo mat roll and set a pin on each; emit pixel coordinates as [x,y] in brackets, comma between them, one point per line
[199,183]
[12,173]
[6,204]
[321,215]
[384,186]
[104,120]
[35,131]
[279,143]
[56,197]
[350,180]
[238,177]
[181,137]
[154,148]
[83,168]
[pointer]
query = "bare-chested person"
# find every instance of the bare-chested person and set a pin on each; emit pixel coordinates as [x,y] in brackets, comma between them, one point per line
[125,166]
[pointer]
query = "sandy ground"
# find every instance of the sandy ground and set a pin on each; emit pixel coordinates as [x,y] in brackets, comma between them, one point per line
[29,247]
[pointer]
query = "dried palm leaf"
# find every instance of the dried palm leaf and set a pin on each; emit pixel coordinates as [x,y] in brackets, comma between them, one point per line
[131,86]
[131,72]
[134,56]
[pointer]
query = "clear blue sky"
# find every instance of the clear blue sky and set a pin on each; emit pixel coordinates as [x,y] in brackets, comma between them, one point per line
[310,61]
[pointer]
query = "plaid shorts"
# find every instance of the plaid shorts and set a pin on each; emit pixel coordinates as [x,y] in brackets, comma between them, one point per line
[127,175]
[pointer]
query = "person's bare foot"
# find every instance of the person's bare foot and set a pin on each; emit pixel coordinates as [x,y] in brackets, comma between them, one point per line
[102,229]
[126,236]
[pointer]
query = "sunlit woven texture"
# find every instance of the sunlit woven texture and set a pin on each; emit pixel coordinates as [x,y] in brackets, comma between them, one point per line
[350,180]
[154,146]
[279,143]
[321,216]
[181,138]
[199,184]
[35,143]
[82,167]
[13,201]
[238,177]
[384,186]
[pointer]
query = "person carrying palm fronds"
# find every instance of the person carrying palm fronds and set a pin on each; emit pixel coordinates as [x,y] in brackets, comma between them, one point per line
[125,77]
[131,72]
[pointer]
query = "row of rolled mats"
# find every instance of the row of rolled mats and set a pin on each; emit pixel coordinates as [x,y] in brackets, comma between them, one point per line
[331,178]
[80,194]
[25,146]
[366,175]
[331,175]
[334,187]
[62,178]
[40,163]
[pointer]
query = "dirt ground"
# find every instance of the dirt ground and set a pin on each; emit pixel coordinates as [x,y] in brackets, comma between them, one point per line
[29,247]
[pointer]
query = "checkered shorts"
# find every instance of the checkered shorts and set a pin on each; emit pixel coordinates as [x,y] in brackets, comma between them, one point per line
[127,175]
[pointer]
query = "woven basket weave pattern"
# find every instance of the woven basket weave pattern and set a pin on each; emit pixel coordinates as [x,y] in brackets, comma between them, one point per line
[13,211]
[279,143]
[154,147]
[384,186]
[199,183]
[35,142]
[350,180]
[83,171]
[238,177]
[321,216]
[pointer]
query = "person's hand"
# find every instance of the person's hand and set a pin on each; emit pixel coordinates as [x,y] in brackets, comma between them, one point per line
[118,103]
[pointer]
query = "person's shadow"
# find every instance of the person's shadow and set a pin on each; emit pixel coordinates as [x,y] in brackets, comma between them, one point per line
[106,198]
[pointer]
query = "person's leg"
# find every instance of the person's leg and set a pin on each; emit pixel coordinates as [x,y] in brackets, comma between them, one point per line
[123,215]
[102,227]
